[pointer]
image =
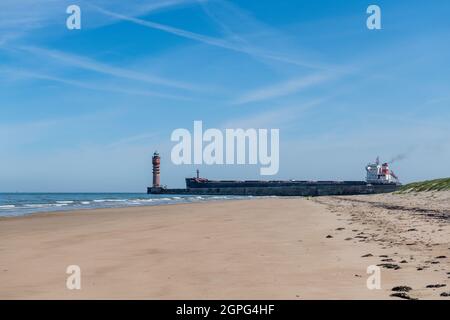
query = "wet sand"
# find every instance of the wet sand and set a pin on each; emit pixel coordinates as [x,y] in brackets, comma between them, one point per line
[291,248]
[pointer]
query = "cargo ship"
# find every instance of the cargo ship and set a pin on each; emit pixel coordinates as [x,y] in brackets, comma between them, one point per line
[379,179]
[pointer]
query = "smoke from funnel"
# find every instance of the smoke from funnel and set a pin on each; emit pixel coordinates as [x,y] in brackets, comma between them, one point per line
[399,157]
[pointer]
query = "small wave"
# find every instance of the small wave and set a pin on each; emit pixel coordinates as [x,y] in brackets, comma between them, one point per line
[134,203]
[37,205]
[162,199]
[85,202]
[9,206]
[110,200]
[65,202]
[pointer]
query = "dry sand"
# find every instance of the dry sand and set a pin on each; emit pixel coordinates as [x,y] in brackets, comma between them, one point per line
[248,249]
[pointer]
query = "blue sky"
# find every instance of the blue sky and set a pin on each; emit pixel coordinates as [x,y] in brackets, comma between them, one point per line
[83,110]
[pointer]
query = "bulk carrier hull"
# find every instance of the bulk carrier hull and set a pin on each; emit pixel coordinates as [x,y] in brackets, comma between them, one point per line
[196,186]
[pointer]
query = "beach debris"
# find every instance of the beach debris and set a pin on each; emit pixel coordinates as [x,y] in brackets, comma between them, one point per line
[387,260]
[402,295]
[401,289]
[339,229]
[367,255]
[403,261]
[441,257]
[445,294]
[328,237]
[347,239]
[439,285]
[389,266]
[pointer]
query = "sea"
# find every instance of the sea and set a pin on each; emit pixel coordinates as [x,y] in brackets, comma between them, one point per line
[19,204]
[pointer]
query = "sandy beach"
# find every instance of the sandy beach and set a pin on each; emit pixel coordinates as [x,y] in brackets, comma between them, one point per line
[273,248]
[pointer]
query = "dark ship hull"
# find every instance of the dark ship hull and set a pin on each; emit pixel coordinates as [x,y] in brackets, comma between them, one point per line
[199,186]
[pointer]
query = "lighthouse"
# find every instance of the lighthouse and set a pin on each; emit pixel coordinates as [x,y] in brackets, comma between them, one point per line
[156,161]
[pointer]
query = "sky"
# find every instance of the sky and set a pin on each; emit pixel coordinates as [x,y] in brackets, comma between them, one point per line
[84,110]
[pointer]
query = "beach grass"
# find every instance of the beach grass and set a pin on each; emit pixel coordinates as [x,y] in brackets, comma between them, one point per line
[428,185]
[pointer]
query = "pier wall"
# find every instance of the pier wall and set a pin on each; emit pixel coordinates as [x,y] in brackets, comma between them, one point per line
[307,190]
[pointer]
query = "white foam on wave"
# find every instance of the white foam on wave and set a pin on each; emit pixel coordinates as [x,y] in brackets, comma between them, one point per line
[37,205]
[9,206]
[85,202]
[134,203]
[44,205]
[162,199]
[111,200]
[143,200]
[65,202]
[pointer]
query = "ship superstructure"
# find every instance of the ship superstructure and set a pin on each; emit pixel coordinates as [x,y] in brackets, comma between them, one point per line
[380,173]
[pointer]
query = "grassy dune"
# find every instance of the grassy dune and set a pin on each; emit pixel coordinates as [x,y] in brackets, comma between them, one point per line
[429,185]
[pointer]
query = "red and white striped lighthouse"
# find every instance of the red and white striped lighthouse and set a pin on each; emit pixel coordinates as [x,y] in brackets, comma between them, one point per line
[156,161]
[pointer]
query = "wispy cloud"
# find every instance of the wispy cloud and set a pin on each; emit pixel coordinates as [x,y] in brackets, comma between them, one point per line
[277,117]
[283,88]
[133,139]
[87,84]
[92,65]
[22,17]
[217,42]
